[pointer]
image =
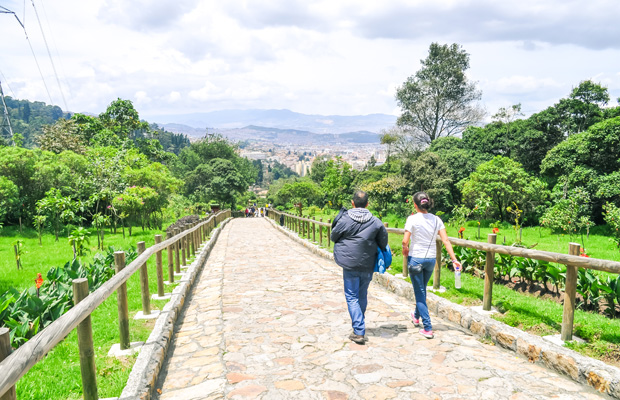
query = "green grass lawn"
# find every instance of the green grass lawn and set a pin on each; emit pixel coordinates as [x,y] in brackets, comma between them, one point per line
[57,376]
[40,258]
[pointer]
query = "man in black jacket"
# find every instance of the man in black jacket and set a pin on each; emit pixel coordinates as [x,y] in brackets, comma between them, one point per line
[356,233]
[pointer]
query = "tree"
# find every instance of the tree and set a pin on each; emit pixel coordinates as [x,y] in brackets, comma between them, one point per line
[304,192]
[61,136]
[319,166]
[569,214]
[506,183]
[9,197]
[597,148]
[439,100]
[227,183]
[383,192]
[122,118]
[583,107]
[337,182]
[430,174]
[388,139]
[461,160]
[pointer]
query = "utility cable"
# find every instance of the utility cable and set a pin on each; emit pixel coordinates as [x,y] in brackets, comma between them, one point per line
[62,66]
[7,84]
[4,10]
[62,93]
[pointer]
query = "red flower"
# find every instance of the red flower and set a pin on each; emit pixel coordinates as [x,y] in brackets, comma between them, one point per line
[462,229]
[495,230]
[39,281]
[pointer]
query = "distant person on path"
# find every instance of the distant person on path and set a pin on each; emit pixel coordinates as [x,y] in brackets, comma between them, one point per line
[421,229]
[356,233]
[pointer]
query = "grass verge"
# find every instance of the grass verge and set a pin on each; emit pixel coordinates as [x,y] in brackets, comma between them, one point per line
[57,375]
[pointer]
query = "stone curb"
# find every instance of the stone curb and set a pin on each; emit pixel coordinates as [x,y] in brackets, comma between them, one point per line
[141,382]
[581,369]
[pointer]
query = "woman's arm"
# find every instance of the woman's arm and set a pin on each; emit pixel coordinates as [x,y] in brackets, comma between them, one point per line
[406,238]
[446,242]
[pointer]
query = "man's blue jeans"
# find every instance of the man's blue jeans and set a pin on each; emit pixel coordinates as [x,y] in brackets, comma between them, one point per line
[419,282]
[356,292]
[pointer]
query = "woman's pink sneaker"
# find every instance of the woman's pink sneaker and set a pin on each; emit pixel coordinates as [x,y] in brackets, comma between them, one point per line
[416,321]
[426,334]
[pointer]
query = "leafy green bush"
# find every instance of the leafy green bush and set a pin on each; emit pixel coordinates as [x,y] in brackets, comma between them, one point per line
[28,312]
[590,286]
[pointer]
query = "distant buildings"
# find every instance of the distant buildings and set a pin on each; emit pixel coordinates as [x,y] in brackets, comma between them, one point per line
[303,168]
[254,155]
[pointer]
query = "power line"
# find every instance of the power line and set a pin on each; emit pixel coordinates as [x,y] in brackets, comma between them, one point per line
[7,83]
[62,93]
[4,10]
[65,81]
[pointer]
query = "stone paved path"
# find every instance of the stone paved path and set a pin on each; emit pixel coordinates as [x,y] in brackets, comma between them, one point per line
[267,319]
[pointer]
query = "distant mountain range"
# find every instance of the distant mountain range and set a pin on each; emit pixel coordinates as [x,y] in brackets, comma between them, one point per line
[280,125]
[276,135]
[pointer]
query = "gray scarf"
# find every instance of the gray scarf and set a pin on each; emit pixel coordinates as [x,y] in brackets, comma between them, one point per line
[360,215]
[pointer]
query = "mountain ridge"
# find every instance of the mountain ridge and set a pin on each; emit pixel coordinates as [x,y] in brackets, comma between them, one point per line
[279,119]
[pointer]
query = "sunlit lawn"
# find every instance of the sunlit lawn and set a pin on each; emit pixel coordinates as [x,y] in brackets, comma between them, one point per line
[57,376]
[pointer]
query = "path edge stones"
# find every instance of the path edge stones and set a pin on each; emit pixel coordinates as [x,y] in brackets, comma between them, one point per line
[584,370]
[141,382]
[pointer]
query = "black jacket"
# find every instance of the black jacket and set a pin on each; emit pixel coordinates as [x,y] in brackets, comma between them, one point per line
[355,243]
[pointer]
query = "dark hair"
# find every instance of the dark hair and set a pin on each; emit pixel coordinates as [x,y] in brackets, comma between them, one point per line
[422,200]
[360,199]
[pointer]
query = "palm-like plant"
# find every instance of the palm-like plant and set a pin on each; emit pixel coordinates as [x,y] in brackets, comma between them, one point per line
[77,239]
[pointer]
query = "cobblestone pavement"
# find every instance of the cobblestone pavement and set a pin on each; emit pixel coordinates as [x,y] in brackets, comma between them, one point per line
[267,319]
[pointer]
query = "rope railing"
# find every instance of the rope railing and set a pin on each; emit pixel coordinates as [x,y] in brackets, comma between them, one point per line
[572,261]
[16,364]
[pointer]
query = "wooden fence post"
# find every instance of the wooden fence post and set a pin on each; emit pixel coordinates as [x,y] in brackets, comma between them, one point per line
[182,244]
[192,240]
[123,309]
[144,283]
[570,292]
[321,232]
[160,268]
[437,271]
[188,238]
[489,275]
[196,238]
[170,252]
[177,250]
[85,344]
[5,351]
[329,233]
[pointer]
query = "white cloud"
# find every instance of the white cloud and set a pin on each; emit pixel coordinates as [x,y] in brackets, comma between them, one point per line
[174,96]
[320,57]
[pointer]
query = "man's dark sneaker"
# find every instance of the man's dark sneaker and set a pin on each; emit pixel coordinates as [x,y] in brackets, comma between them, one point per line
[359,339]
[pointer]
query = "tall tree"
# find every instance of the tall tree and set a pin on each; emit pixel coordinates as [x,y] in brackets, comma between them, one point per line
[439,100]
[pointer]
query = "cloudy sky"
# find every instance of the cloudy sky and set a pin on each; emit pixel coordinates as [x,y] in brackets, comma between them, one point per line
[341,57]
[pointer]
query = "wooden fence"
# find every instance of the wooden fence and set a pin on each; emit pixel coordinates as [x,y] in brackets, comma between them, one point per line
[182,245]
[305,226]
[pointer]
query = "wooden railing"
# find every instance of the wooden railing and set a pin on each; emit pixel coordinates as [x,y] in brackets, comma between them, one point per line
[572,261]
[184,242]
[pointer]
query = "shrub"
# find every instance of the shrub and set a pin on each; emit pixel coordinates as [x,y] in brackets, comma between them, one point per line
[28,312]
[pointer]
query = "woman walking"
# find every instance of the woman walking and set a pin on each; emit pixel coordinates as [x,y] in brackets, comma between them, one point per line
[421,229]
